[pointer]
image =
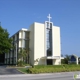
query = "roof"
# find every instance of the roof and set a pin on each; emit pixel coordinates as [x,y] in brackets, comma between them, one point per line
[23,29]
[74,55]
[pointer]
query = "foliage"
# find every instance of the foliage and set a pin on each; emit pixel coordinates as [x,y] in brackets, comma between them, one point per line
[22,54]
[65,60]
[5,41]
[52,68]
[47,66]
[20,63]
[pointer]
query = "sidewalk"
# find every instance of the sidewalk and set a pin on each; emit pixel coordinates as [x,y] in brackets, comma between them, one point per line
[25,75]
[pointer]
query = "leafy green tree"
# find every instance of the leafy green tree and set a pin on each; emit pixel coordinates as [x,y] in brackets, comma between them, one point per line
[66,59]
[22,54]
[5,41]
[79,60]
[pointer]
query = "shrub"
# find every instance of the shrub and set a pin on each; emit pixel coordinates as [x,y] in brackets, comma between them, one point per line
[48,66]
[20,63]
[53,68]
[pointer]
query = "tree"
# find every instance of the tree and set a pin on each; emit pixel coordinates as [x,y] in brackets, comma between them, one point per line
[61,55]
[65,60]
[5,41]
[22,54]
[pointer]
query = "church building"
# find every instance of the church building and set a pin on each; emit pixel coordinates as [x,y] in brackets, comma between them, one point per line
[43,42]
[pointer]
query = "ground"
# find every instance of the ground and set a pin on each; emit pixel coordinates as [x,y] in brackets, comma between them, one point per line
[50,76]
[4,70]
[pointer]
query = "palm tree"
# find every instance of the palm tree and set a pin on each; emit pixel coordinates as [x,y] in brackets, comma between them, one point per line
[22,54]
[66,59]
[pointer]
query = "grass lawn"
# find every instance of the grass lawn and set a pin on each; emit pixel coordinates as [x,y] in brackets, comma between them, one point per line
[23,70]
[50,69]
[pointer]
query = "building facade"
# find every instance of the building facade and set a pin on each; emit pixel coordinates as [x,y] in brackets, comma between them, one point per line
[42,41]
[20,40]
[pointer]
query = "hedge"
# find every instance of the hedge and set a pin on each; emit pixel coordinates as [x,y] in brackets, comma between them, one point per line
[53,68]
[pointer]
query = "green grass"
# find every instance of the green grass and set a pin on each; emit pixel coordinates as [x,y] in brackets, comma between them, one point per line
[50,69]
[48,66]
[23,70]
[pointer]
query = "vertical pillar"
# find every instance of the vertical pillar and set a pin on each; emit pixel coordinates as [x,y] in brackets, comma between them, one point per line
[77,60]
[22,39]
[16,53]
[60,60]
[12,57]
[9,58]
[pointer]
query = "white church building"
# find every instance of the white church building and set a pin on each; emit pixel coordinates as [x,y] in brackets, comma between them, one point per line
[42,40]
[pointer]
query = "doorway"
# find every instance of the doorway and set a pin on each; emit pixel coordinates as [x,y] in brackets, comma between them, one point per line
[49,62]
[2,59]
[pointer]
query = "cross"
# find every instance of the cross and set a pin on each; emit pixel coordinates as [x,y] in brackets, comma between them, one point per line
[49,21]
[49,18]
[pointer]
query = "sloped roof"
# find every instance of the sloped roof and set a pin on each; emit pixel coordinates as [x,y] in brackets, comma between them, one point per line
[74,55]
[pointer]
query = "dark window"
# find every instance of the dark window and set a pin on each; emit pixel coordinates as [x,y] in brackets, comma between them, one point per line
[73,58]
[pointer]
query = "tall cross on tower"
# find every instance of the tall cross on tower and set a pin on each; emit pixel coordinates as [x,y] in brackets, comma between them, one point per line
[49,18]
[49,21]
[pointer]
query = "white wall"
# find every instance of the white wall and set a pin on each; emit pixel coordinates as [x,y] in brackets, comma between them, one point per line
[56,61]
[21,37]
[40,62]
[20,43]
[39,42]
[56,41]
[20,34]
[31,45]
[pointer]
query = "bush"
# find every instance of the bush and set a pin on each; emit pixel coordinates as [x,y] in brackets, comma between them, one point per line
[20,63]
[53,68]
[48,66]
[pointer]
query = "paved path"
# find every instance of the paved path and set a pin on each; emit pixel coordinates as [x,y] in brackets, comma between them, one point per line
[51,76]
[5,71]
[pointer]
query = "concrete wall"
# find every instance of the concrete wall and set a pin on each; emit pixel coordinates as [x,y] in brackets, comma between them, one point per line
[39,42]
[56,41]
[20,43]
[56,62]
[31,45]
[56,44]
[20,34]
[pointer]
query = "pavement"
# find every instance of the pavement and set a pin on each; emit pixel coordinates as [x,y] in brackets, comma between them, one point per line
[13,74]
[50,76]
[7,71]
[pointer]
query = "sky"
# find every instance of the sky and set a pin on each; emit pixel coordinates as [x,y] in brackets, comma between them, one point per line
[17,14]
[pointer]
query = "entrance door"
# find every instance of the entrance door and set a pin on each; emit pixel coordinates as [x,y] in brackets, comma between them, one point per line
[2,57]
[49,62]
